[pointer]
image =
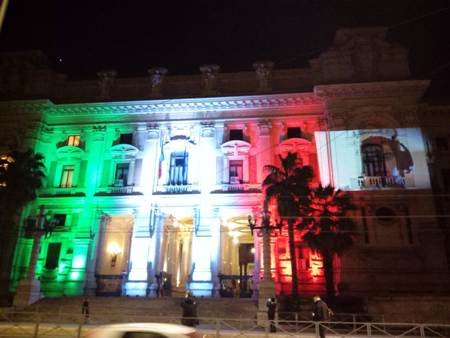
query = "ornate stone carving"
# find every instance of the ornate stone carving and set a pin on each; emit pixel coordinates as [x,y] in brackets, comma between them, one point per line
[210,75]
[106,81]
[208,129]
[264,128]
[263,71]
[157,75]
[361,54]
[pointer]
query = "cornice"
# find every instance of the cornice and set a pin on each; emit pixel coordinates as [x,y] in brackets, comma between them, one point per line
[216,104]
[414,88]
[25,106]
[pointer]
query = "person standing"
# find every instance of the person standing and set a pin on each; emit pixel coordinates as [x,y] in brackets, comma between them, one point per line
[321,313]
[189,306]
[271,312]
[85,309]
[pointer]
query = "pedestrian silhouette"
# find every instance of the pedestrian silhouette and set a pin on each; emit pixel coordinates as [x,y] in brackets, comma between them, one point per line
[85,309]
[271,311]
[189,306]
[321,313]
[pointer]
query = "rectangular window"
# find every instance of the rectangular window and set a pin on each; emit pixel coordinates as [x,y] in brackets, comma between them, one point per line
[294,132]
[59,220]
[53,252]
[236,134]
[67,176]
[236,172]
[178,168]
[373,160]
[126,139]
[73,140]
[121,178]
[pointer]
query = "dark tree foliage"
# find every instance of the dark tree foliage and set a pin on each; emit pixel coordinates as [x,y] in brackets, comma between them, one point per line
[288,187]
[328,229]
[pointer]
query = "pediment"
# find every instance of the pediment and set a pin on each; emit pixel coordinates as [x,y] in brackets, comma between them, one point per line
[236,148]
[124,151]
[70,152]
[294,145]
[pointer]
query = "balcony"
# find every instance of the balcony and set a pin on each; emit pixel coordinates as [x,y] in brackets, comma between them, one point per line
[178,189]
[61,192]
[236,187]
[377,182]
[118,190]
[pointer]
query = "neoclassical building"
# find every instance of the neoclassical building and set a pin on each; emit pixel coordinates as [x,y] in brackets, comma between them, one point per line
[150,181]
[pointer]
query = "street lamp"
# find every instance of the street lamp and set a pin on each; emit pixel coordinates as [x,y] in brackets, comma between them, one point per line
[267,285]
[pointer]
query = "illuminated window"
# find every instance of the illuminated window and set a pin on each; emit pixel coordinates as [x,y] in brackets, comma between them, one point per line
[236,172]
[178,168]
[67,176]
[73,140]
[121,177]
[294,132]
[236,135]
[373,160]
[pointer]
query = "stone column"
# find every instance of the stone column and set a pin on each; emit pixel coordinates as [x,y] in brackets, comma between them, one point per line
[105,83]
[263,149]
[95,148]
[210,79]
[150,160]
[263,70]
[157,75]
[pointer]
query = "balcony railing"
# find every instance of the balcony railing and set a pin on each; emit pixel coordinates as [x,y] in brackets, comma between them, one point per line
[62,191]
[366,182]
[178,189]
[237,187]
[119,190]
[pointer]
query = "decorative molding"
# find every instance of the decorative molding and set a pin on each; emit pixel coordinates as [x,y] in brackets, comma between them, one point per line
[216,104]
[415,88]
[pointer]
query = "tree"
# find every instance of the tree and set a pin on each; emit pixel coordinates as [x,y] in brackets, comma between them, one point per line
[328,230]
[288,186]
[21,175]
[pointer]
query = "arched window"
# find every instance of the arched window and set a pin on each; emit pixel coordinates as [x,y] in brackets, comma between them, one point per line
[373,160]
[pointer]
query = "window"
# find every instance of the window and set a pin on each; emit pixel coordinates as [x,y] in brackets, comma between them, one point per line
[178,168]
[126,139]
[73,140]
[373,160]
[236,135]
[121,178]
[294,132]
[52,260]
[59,220]
[236,172]
[67,176]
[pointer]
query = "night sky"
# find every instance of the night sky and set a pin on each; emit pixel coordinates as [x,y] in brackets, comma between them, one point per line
[83,37]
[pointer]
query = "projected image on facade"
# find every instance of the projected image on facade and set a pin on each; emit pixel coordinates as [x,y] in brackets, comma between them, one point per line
[373,158]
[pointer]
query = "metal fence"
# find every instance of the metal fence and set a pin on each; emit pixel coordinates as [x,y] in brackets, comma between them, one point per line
[42,325]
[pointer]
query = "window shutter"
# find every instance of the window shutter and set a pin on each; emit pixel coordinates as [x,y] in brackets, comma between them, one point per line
[137,172]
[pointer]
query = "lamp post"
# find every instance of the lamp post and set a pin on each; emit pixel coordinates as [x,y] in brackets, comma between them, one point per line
[29,288]
[267,285]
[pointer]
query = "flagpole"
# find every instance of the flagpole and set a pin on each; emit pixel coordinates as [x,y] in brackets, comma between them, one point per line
[3,6]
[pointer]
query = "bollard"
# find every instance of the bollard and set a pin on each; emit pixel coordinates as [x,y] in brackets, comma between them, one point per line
[36,330]
[316,326]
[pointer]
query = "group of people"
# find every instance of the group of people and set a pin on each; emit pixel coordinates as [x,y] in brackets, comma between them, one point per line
[321,313]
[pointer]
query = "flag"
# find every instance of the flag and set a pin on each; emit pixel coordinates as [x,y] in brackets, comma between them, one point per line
[3,5]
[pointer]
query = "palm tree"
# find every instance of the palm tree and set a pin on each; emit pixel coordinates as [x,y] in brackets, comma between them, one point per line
[328,230]
[288,186]
[21,175]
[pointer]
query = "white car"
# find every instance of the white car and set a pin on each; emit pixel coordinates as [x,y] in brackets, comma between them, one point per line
[144,330]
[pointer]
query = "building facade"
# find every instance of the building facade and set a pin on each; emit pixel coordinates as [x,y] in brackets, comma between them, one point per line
[150,181]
